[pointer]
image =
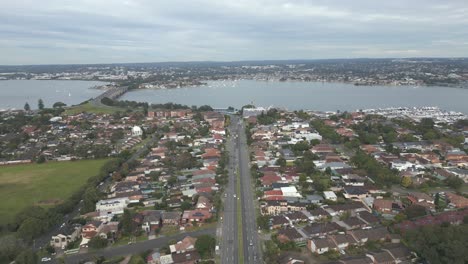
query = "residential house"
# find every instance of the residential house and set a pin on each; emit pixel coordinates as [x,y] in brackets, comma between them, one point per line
[399,253]
[191,257]
[291,234]
[354,222]
[171,218]
[321,229]
[457,200]
[383,206]
[279,221]
[113,206]
[278,207]
[355,192]
[321,245]
[108,230]
[368,218]
[381,257]
[352,208]
[195,216]
[204,203]
[343,241]
[422,199]
[68,235]
[329,195]
[374,234]
[91,229]
[185,245]
[317,214]
[152,220]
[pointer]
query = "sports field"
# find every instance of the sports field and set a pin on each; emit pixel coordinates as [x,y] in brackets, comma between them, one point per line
[42,184]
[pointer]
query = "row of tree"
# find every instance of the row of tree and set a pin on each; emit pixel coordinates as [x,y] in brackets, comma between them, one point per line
[41,106]
[379,173]
[440,244]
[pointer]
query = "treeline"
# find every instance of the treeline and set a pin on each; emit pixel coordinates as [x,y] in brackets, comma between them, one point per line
[372,133]
[268,118]
[440,244]
[167,106]
[326,132]
[34,221]
[379,173]
[426,128]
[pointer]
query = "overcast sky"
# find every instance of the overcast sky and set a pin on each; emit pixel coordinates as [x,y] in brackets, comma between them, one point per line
[108,31]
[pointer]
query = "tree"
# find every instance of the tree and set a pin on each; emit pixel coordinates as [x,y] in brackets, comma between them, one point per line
[10,247]
[271,252]
[281,162]
[41,159]
[263,221]
[90,197]
[126,225]
[28,256]
[40,104]
[27,107]
[454,182]
[440,244]
[172,180]
[205,246]
[107,101]
[30,228]
[185,205]
[406,181]
[50,249]
[137,259]
[117,176]
[97,242]
[414,211]
[58,105]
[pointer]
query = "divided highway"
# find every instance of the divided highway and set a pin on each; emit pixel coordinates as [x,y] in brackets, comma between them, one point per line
[239,170]
[252,244]
[229,239]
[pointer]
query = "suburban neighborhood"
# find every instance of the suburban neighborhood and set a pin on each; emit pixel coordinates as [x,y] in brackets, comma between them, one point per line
[328,187]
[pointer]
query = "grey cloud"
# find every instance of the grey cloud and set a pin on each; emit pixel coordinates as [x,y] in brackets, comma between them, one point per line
[90,31]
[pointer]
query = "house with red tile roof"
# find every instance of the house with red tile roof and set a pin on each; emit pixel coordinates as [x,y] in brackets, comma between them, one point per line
[457,200]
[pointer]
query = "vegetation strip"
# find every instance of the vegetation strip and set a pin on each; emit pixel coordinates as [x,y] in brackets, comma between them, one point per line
[239,221]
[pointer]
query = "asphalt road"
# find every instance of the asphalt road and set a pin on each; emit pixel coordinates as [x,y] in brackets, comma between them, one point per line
[136,248]
[229,238]
[252,244]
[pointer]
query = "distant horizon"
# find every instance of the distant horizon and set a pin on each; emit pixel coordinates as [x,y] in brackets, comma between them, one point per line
[234,61]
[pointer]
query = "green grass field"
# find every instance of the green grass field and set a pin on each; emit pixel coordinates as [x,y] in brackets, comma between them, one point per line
[42,184]
[90,108]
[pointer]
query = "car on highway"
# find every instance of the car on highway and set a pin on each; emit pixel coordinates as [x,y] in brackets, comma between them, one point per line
[45,259]
[234,195]
[251,243]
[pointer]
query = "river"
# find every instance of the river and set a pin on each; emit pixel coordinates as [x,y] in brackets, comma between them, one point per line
[15,93]
[306,95]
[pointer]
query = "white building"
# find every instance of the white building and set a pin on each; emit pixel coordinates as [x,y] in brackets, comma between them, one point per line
[247,112]
[329,195]
[112,206]
[290,191]
[137,131]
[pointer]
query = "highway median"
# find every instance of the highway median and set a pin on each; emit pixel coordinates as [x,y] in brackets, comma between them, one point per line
[239,221]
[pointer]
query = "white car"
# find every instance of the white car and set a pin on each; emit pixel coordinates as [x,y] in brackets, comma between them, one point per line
[45,259]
